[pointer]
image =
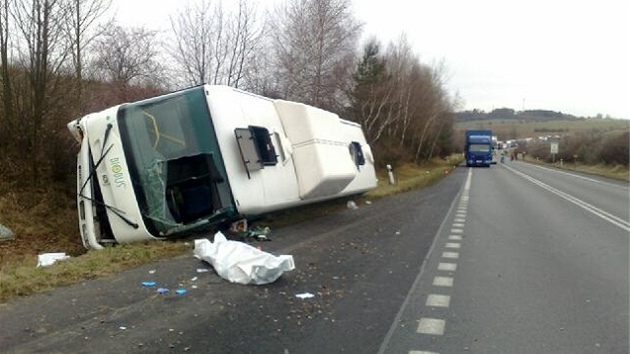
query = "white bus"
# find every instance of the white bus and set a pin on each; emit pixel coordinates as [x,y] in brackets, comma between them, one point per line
[191,159]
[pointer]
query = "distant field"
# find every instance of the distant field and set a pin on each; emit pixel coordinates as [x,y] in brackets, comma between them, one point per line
[516,129]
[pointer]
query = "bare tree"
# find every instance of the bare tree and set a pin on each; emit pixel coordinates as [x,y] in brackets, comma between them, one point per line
[214,44]
[42,52]
[128,56]
[401,103]
[84,16]
[7,116]
[313,40]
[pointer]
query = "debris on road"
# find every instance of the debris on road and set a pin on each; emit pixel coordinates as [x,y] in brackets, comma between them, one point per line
[162,291]
[241,263]
[6,233]
[352,205]
[148,283]
[305,296]
[242,229]
[47,259]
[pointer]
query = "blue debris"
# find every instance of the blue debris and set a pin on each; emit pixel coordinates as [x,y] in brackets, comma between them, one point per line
[180,291]
[162,291]
[148,283]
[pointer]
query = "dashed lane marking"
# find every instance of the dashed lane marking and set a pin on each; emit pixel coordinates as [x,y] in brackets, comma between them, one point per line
[455,237]
[431,326]
[436,300]
[443,281]
[453,255]
[449,267]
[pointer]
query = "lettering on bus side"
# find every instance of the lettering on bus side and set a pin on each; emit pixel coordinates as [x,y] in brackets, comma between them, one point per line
[117,171]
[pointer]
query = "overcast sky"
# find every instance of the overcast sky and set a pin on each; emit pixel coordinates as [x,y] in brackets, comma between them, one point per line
[560,55]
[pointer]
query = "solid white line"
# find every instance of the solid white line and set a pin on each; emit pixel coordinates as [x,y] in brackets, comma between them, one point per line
[582,204]
[581,177]
[431,326]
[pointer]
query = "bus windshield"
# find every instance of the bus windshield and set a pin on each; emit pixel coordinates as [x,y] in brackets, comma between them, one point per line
[170,142]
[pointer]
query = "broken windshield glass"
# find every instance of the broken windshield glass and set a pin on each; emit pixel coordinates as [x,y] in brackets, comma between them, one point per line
[174,130]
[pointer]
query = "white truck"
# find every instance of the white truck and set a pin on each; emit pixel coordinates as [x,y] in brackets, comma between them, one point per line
[196,158]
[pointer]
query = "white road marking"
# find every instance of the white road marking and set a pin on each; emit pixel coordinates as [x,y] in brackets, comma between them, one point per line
[455,238]
[453,245]
[421,352]
[459,220]
[582,204]
[431,326]
[453,255]
[450,267]
[582,177]
[457,231]
[458,225]
[435,300]
[443,281]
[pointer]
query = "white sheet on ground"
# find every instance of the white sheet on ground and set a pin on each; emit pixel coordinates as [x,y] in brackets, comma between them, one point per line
[241,263]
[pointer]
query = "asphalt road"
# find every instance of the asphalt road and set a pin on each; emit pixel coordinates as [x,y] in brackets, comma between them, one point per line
[533,260]
[507,259]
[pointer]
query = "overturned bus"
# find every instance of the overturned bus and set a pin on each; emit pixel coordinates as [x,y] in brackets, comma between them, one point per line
[207,155]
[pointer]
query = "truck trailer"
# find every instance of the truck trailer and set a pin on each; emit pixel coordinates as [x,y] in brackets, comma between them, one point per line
[208,155]
[478,148]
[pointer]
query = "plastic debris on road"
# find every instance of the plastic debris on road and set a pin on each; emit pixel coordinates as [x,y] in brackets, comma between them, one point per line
[162,291]
[241,263]
[352,205]
[148,283]
[305,296]
[180,291]
[241,228]
[6,233]
[47,259]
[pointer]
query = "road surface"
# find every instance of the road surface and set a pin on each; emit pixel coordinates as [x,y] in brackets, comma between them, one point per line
[509,259]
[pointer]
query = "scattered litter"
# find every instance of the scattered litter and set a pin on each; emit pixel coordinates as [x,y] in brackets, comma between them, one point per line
[202,270]
[180,291]
[194,286]
[241,228]
[148,283]
[152,271]
[6,233]
[122,328]
[398,232]
[194,278]
[46,259]
[305,296]
[162,291]
[368,202]
[352,205]
[241,263]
